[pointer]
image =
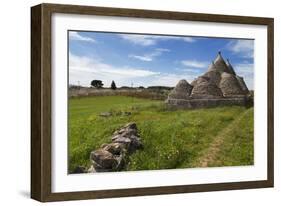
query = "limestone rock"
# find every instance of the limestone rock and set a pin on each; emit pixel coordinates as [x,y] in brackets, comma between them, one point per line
[121,139]
[129,132]
[120,161]
[105,114]
[131,125]
[127,113]
[117,132]
[91,169]
[135,143]
[114,148]
[103,159]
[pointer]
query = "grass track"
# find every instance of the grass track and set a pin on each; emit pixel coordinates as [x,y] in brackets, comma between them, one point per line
[210,156]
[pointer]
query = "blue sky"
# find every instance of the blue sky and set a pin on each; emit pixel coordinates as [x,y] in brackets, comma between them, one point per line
[151,60]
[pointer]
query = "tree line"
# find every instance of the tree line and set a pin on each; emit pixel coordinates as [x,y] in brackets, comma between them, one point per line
[98,84]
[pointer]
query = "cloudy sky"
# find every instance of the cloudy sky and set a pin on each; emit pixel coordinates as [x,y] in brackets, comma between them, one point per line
[151,60]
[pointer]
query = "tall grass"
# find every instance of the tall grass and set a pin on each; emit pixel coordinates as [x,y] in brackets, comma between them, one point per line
[172,139]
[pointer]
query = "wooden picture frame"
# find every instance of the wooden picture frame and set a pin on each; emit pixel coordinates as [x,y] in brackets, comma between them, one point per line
[41,96]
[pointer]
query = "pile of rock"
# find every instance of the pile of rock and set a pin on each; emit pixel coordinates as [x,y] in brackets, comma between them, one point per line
[112,156]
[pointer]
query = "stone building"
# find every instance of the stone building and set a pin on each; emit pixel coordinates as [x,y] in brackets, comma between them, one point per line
[219,86]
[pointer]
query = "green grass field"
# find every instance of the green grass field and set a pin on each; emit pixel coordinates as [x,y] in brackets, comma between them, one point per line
[220,136]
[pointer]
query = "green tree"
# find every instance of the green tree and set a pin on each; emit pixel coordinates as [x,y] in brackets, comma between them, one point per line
[113,85]
[97,83]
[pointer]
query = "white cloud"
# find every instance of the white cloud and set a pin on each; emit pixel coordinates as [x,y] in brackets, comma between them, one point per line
[139,39]
[194,63]
[84,69]
[148,40]
[192,70]
[243,47]
[142,58]
[246,70]
[73,35]
[168,79]
[150,56]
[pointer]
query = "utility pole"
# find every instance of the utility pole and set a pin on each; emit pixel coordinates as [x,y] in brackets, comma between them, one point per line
[78,87]
[132,86]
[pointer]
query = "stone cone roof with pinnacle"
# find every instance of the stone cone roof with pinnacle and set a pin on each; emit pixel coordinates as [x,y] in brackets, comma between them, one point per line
[242,84]
[181,91]
[220,81]
[206,88]
[220,64]
[229,85]
[230,67]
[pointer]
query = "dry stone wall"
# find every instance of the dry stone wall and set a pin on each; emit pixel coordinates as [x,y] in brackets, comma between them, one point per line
[113,156]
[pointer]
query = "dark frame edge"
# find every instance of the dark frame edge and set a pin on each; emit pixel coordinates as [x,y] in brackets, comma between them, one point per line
[101,194]
[157,14]
[270,101]
[40,103]
[36,138]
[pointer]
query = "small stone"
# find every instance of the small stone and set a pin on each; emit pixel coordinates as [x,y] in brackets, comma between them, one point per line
[129,132]
[119,131]
[103,159]
[105,114]
[103,145]
[127,113]
[91,169]
[116,137]
[135,143]
[124,140]
[121,161]
[131,125]
[115,148]
[122,130]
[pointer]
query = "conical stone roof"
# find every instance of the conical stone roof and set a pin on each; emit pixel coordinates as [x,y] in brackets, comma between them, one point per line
[214,76]
[229,85]
[181,91]
[205,88]
[242,84]
[212,67]
[219,81]
[220,65]
[199,79]
[231,70]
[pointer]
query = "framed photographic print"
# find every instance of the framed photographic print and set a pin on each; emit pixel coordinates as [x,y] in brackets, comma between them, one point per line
[130,102]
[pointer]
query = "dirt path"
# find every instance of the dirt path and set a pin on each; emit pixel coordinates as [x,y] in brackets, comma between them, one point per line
[210,154]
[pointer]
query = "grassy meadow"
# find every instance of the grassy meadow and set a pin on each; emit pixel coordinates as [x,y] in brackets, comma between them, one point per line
[221,136]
